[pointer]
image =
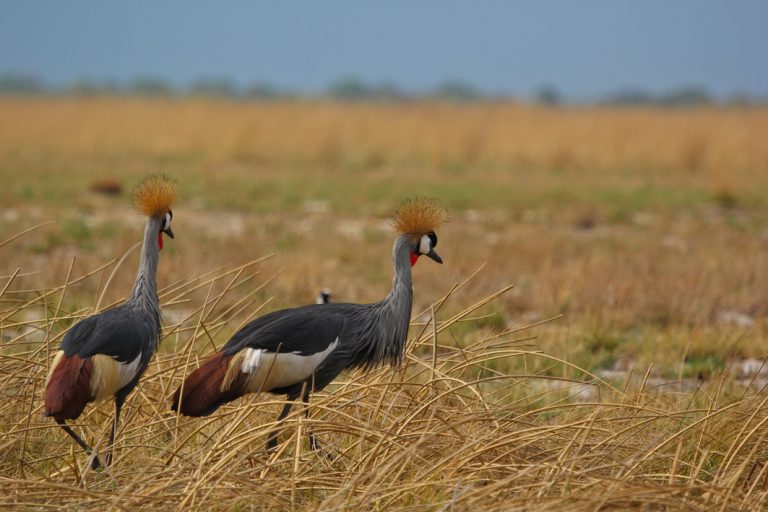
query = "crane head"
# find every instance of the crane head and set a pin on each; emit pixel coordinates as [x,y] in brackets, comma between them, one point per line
[153,196]
[418,218]
[165,227]
[324,297]
[425,246]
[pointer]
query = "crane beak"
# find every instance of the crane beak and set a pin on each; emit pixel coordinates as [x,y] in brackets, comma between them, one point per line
[432,254]
[168,232]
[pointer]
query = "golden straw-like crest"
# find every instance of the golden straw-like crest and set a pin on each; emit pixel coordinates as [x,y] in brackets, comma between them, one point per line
[419,216]
[154,194]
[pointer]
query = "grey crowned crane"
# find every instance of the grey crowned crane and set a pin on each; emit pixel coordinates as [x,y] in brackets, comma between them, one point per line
[295,351]
[105,354]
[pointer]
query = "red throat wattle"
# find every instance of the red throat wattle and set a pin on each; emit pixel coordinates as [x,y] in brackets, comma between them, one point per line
[414,258]
[160,240]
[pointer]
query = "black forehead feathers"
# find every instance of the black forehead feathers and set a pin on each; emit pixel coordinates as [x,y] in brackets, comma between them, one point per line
[433,238]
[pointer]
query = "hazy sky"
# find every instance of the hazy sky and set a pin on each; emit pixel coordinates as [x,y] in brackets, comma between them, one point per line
[583,47]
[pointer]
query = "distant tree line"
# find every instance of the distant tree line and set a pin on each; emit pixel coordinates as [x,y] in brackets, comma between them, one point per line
[354,89]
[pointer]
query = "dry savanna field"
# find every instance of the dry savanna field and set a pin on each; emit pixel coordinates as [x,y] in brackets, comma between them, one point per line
[594,341]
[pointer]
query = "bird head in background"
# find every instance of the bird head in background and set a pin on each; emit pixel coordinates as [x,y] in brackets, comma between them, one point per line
[418,218]
[324,297]
[153,196]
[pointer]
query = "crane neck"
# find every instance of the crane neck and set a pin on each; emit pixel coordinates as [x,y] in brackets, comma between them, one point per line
[383,329]
[144,294]
[401,294]
[394,312]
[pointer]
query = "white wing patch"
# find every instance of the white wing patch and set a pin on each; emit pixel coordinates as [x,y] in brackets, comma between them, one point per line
[128,370]
[251,360]
[268,370]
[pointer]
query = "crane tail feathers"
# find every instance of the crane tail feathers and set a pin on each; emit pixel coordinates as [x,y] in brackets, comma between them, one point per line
[68,389]
[204,390]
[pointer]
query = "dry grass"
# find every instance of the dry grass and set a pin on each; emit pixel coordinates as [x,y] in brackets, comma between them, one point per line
[646,229]
[428,133]
[513,156]
[445,431]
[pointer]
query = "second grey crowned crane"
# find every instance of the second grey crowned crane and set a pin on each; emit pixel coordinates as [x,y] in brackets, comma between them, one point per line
[295,351]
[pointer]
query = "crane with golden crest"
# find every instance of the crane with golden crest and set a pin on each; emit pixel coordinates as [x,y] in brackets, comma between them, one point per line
[296,351]
[104,355]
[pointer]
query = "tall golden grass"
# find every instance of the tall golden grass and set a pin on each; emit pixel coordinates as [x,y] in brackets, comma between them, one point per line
[643,228]
[445,431]
[512,134]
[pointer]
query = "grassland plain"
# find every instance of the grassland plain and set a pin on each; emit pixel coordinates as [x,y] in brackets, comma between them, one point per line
[646,229]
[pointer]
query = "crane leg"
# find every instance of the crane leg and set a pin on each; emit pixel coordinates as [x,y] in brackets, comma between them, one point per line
[73,435]
[95,464]
[313,444]
[272,439]
[111,447]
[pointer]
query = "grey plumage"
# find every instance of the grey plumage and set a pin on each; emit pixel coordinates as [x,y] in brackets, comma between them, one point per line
[378,331]
[328,337]
[369,334]
[144,294]
[106,354]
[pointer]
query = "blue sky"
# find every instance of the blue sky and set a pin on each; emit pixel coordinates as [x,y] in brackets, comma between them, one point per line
[584,48]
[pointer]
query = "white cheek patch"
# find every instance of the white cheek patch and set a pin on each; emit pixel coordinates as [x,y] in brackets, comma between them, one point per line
[425,245]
